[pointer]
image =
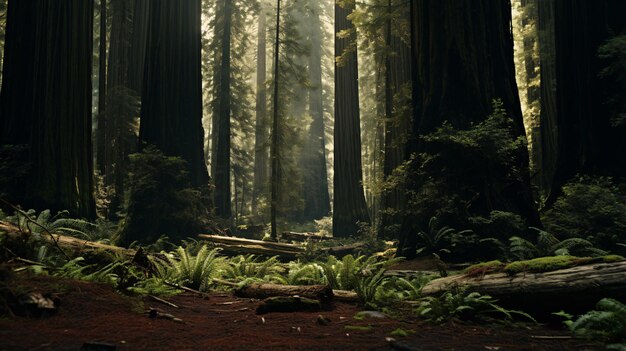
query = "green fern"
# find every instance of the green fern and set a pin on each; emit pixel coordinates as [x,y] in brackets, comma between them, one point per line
[548,245]
[75,270]
[251,268]
[606,323]
[193,271]
[461,304]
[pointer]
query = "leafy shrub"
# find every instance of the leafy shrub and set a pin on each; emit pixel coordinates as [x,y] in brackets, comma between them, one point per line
[606,323]
[590,208]
[464,305]
[161,200]
[548,245]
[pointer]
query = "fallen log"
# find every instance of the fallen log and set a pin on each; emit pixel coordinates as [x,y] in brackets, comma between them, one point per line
[288,304]
[343,250]
[75,245]
[576,286]
[262,291]
[345,295]
[302,236]
[230,240]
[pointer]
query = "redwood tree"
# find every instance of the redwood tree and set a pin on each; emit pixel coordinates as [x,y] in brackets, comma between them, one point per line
[46,101]
[349,206]
[171,103]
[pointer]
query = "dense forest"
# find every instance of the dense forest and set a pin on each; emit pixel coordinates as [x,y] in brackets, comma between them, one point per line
[419,161]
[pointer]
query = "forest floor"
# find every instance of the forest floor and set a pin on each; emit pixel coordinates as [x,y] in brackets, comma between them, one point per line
[92,312]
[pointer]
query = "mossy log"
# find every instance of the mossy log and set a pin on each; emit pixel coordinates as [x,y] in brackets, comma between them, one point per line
[72,245]
[250,246]
[302,236]
[322,293]
[581,284]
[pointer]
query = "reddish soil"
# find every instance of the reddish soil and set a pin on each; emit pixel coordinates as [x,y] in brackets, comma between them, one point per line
[97,313]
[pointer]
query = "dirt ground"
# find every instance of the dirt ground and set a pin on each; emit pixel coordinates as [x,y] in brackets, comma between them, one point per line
[92,312]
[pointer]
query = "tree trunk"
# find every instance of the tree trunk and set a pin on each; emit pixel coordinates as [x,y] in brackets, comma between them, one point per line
[547,120]
[586,139]
[121,108]
[261,134]
[102,84]
[60,147]
[397,114]
[171,109]
[141,17]
[275,157]
[315,191]
[222,195]
[463,53]
[349,206]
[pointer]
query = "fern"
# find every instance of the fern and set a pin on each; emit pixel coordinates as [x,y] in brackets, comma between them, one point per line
[193,271]
[75,270]
[251,268]
[606,323]
[548,245]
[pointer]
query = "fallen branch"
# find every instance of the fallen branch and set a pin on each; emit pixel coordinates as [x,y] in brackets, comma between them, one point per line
[261,291]
[158,299]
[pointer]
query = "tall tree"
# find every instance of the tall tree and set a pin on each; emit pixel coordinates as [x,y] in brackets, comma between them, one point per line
[587,133]
[141,17]
[171,104]
[315,184]
[397,109]
[56,116]
[349,206]
[122,100]
[275,142]
[102,84]
[261,166]
[463,60]
[221,178]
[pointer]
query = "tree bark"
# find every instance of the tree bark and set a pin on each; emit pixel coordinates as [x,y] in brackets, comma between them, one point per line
[275,142]
[171,109]
[315,184]
[586,139]
[261,166]
[102,84]
[463,53]
[349,206]
[261,291]
[222,194]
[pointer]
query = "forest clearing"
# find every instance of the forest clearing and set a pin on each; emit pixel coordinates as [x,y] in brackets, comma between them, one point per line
[313,175]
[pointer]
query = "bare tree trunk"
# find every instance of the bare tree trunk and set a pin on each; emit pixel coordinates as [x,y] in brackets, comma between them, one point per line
[261,134]
[349,206]
[102,83]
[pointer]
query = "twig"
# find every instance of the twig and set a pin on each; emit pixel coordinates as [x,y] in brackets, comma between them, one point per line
[551,337]
[177,286]
[163,301]
[54,240]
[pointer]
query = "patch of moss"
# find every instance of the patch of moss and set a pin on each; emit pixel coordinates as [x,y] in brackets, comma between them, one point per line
[545,264]
[483,268]
[366,328]
[612,258]
[401,332]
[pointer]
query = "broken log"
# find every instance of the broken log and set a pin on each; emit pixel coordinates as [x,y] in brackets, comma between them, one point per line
[345,295]
[261,291]
[344,250]
[576,286]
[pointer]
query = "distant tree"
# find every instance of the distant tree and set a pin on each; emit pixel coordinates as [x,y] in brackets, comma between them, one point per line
[46,101]
[349,206]
[313,159]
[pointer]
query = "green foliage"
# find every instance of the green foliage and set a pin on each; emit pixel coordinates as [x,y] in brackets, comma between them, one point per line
[606,323]
[437,240]
[304,274]
[464,305]
[590,208]
[160,201]
[548,245]
[193,271]
[75,270]
[45,223]
[463,178]
[250,268]
[153,286]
